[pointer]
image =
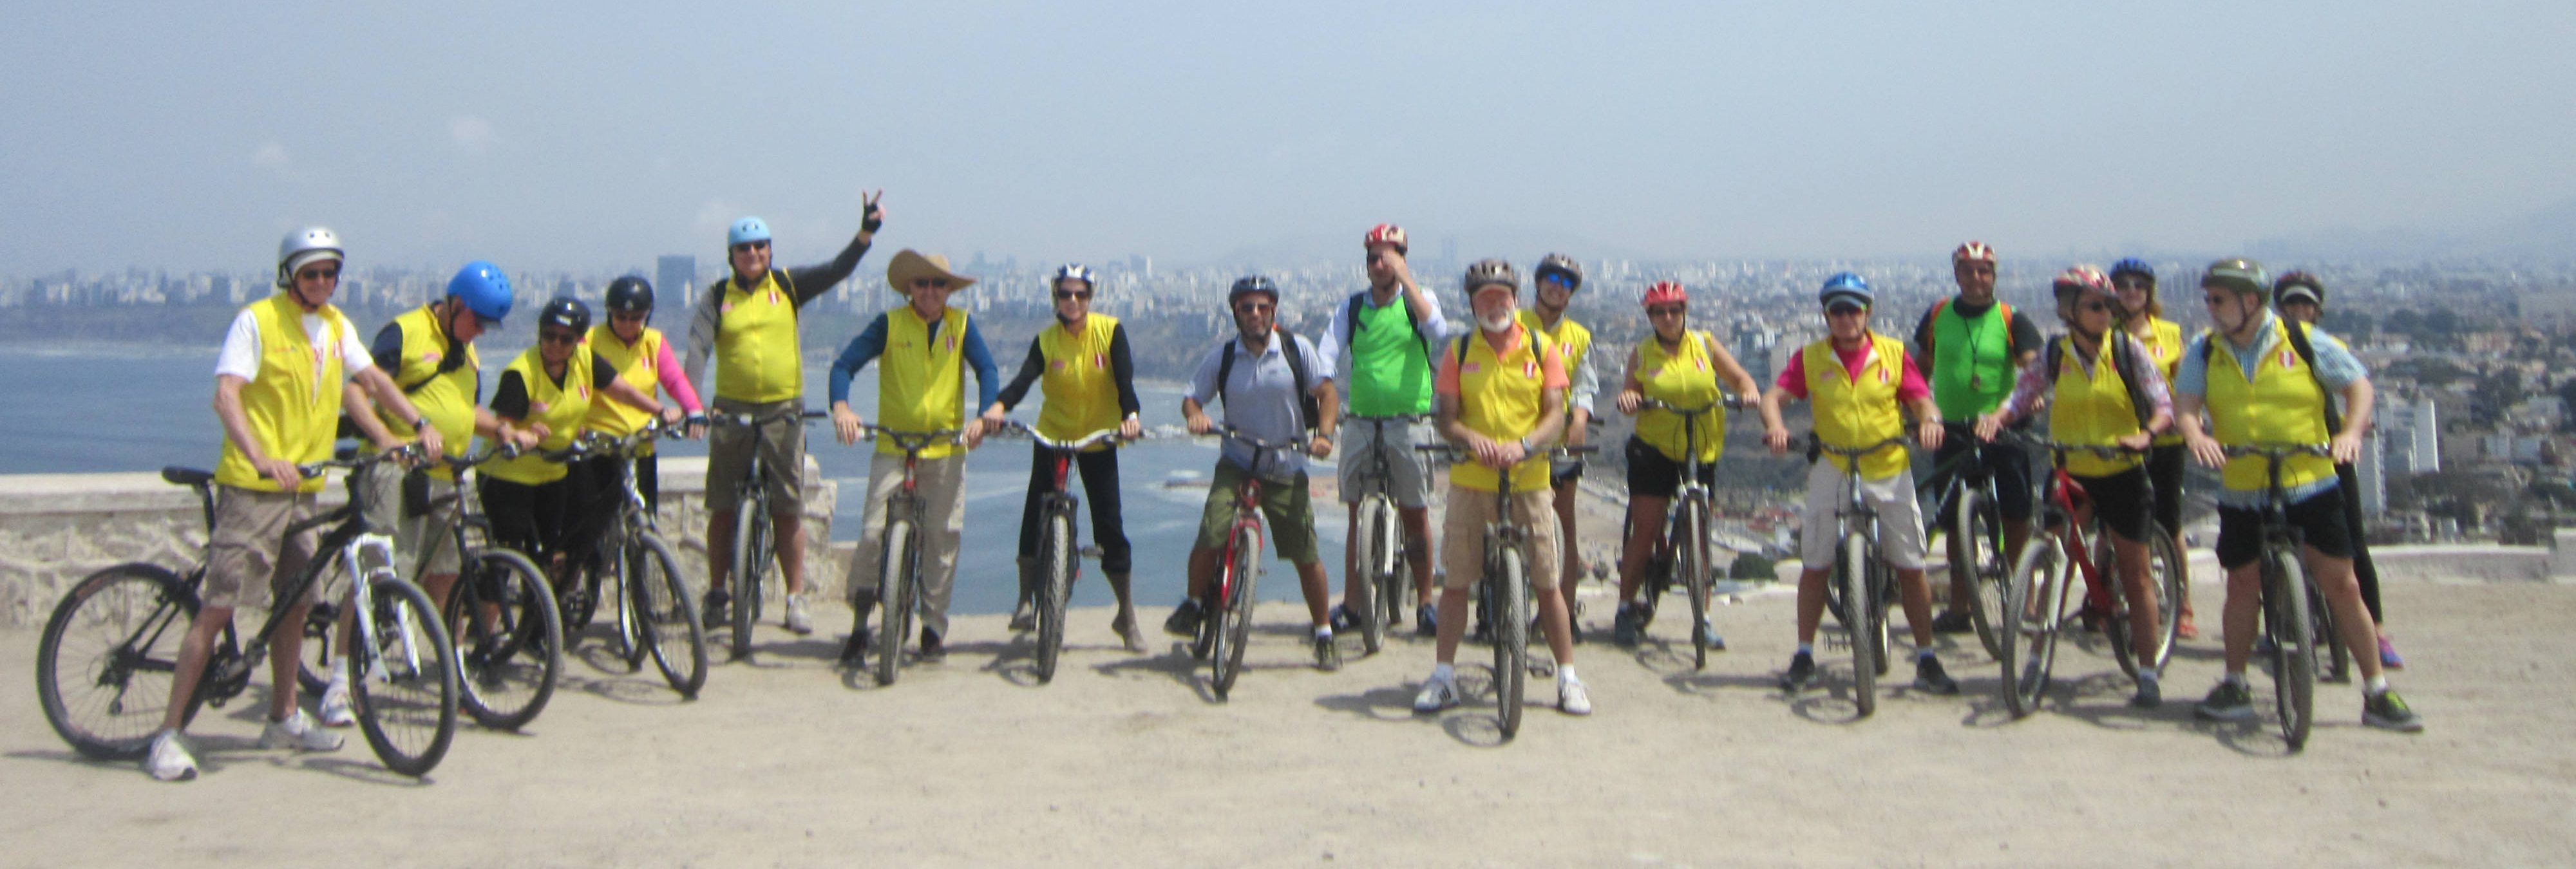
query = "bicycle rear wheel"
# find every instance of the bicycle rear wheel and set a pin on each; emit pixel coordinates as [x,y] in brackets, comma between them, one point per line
[2164,580]
[1511,638]
[2030,626]
[1972,548]
[2333,659]
[894,598]
[1693,565]
[2285,585]
[1851,576]
[508,636]
[665,623]
[104,665]
[1055,581]
[1378,604]
[405,681]
[1245,577]
[752,559]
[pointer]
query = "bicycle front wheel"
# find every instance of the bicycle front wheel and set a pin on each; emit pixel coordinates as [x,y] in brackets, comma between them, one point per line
[1511,638]
[405,680]
[104,666]
[751,561]
[894,596]
[1851,576]
[509,637]
[1972,549]
[1693,564]
[2164,580]
[1055,581]
[665,623]
[2030,626]
[2294,686]
[1377,595]
[2333,659]
[1237,615]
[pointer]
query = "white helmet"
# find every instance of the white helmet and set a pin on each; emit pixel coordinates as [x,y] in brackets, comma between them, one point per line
[304,246]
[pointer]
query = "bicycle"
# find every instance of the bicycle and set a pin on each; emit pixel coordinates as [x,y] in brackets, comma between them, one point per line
[1504,589]
[123,626]
[754,557]
[653,611]
[501,611]
[1059,556]
[1383,565]
[1971,520]
[1862,583]
[899,558]
[2286,600]
[1228,625]
[1683,551]
[2034,606]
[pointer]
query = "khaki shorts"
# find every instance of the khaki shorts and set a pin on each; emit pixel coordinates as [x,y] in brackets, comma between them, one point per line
[244,564]
[1408,477]
[1900,518]
[781,442]
[383,485]
[1285,503]
[1462,535]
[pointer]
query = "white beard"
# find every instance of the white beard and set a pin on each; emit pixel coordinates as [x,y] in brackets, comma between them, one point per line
[1496,323]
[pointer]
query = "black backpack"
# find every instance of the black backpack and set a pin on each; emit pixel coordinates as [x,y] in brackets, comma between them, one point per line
[1307,412]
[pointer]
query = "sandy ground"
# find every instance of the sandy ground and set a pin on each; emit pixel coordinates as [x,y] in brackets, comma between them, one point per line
[1126,759]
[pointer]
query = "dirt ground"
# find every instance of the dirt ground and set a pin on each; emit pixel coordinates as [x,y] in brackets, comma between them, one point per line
[1127,759]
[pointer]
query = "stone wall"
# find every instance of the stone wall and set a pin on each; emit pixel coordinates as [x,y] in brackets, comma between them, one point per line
[57,528]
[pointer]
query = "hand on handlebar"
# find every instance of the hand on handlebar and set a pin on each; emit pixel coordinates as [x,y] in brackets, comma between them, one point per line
[1131,429]
[974,434]
[697,426]
[1200,424]
[1777,438]
[1928,433]
[1989,424]
[2346,447]
[2139,441]
[847,424]
[1629,400]
[288,476]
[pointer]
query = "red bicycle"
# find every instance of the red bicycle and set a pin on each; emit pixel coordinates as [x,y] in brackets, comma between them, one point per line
[1222,635]
[2036,598]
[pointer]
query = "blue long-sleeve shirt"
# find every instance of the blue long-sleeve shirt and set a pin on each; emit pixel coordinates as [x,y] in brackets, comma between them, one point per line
[871,343]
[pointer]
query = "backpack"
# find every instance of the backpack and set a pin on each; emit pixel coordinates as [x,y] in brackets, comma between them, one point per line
[2307,356]
[2123,360]
[1307,412]
[1351,315]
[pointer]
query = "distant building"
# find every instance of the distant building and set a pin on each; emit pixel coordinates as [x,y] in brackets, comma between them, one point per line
[2372,474]
[675,278]
[2413,434]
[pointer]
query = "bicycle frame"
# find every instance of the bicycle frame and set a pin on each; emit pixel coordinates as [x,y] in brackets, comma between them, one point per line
[357,546]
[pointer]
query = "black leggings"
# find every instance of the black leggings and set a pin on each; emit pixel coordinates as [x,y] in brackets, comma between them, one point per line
[596,490]
[1100,481]
[527,518]
[2362,568]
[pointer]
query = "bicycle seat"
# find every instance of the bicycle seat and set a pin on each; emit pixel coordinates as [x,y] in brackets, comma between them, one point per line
[178,476]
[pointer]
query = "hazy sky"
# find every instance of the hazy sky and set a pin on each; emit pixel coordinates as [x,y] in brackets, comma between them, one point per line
[596,136]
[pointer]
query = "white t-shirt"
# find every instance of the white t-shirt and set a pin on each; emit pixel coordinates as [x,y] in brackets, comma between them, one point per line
[240,356]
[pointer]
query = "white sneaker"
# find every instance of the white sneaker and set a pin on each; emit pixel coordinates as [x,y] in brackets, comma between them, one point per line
[335,706]
[1571,698]
[1437,694]
[300,733]
[168,760]
[798,621]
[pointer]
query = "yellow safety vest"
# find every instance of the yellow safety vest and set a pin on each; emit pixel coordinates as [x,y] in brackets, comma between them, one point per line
[293,409]
[445,400]
[757,357]
[2091,408]
[1500,397]
[1856,413]
[2164,342]
[1081,390]
[1573,343]
[2281,405]
[561,407]
[921,381]
[1687,379]
[635,367]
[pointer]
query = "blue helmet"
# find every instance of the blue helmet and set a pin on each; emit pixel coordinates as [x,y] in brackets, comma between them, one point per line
[485,290]
[747,229]
[1076,272]
[2134,266]
[1845,285]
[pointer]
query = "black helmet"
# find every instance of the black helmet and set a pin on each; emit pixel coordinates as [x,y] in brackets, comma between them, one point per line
[630,295]
[565,311]
[1562,266]
[1250,285]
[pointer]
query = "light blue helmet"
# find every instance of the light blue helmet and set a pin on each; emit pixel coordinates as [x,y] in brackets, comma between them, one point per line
[485,290]
[1845,285]
[1078,272]
[747,229]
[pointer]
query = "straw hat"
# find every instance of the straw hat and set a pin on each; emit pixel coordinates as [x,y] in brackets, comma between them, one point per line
[908,265]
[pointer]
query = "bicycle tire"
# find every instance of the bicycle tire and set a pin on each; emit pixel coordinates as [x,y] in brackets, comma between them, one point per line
[2031,623]
[1237,614]
[2334,660]
[894,599]
[509,639]
[751,558]
[664,616]
[632,644]
[1851,573]
[1696,574]
[1395,581]
[2115,628]
[1511,639]
[1055,580]
[2165,565]
[410,718]
[2293,674]
[115,625]
[1971,546]
[1882,590]
[1377,572]
[578,600]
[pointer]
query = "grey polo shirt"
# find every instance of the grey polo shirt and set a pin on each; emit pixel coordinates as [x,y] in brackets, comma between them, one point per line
[1261,399]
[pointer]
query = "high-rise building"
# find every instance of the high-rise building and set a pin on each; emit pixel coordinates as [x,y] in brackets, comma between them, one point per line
[675,278]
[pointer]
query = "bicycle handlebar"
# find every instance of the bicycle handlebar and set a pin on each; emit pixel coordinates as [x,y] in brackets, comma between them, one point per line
[1257,444]
[908,441]
[1101,436]
[1817,443]
[406,453]
[1458,453]
[2277,451]
[747,419]
[2107,451]
[1730,402]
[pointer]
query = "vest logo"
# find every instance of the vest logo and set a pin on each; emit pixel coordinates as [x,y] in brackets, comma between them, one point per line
[1056,364]
[948,344]
[1471,368]
[1099,361]
[583,391]
[725,308]
[773,297]
[2288,358]
[1529,368]
[430,356]
[1882,375]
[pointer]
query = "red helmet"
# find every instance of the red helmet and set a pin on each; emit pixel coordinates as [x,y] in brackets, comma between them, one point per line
[1974,250]
[1666,292]
[2084,279]
[1386,233]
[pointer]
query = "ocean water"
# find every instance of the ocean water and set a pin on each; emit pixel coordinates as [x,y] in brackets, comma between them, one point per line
[91,409]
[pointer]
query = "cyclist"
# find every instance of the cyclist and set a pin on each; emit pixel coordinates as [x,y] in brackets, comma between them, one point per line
[1973,359]
[2102,389]
[1502,396]
[429,352]
[1380,339]
[278,393]
[643,359]
[1083,365]
[1858,380]
[2281,399]
[1285,397]
[1680,367]
[542,401]
[2300,296]
[927,347]
[2143,317]
[1553,285]
[749,321]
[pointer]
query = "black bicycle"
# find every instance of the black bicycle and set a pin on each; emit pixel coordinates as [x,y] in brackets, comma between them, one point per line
[2295,621]
[899,558]
[1504,589]
[755,560]
[653,613]
[1383,571]
[1971,519]
[111,647]
[1863,584]
[1685,552]
[1059,553]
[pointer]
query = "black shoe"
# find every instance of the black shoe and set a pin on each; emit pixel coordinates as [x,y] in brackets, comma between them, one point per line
[2149,695]
[1328,655]
[932,651]
[1343,619]
[1801,675]
[1426,620]
[854,651]
[1953,622]
[718,608]
[1628,627]
[1929,678]
[1024,617]
[1185,619]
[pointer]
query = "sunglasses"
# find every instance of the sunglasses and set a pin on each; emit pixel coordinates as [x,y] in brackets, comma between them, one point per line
[1845,311]
[1064,295]
[2215,299]
[750,245]
[1254,308]
[318,274]
[2134,284]
[486,323]
[930,283]
[2093,307]
[1666,311]
[552,336]
[625,317]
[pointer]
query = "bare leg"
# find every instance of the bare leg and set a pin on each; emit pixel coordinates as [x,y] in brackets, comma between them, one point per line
[2244,598]
[790,528]
[2342,590]
[2144,616]
[1202,571]
[194,648]
[1645,521]
[1319,591]
[719,549]
[1811,602]
[1554,618]
[285,661]
[1916,592]
[1453,624]
[1417,548]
